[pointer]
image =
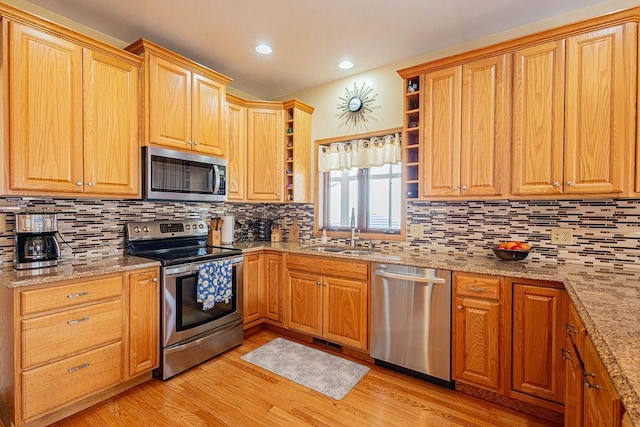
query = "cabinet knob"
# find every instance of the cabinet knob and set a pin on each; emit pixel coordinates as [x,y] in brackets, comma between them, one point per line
[91,184]
[79,183]
[464,187]
[318,283]
[455,187]
[196,143]
[188,142]
[460,308]
[556,184]
[155,279]
[570,183]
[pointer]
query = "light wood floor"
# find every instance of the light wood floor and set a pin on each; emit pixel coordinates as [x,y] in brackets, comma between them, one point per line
[229,391]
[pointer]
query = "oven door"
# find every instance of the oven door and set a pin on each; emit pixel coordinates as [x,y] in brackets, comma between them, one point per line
[182,316]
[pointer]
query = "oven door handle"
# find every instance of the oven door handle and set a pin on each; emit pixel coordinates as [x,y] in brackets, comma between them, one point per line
[192,268]
[186,346]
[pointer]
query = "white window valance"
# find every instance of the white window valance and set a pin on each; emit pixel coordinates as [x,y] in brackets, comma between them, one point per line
[360,153]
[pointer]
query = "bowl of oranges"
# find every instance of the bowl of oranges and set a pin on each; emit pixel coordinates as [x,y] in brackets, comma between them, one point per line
[512,250]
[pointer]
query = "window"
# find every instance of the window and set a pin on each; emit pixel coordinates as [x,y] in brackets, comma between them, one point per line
[372,194]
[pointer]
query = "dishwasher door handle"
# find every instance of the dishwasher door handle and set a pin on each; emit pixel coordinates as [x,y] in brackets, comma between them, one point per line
[418,279]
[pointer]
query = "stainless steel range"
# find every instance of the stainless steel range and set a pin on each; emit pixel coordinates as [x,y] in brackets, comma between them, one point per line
[190,334]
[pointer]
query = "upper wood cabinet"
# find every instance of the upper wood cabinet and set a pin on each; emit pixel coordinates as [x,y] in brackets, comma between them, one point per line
[538,119]
[600,110]
[184,102]
[466,130]
[265,138]
[236,148]
[73,114]
[297,155]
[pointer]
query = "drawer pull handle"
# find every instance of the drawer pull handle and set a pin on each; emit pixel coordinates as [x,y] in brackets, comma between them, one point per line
[73,322]
[585,377]
[79,294]
[77,368]
[571,329]
[478,289]
[566,354]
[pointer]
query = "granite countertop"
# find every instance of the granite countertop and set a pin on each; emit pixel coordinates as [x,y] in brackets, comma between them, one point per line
[75,269]
[607,299]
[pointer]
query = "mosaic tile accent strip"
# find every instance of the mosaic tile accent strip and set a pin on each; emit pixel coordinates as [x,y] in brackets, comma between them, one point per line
[605,231]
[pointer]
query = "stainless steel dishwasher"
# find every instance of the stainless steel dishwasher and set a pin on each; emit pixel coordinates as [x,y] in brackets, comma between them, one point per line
[411,321]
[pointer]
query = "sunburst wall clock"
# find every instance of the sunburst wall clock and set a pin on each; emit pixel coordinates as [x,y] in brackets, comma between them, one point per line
[356,105]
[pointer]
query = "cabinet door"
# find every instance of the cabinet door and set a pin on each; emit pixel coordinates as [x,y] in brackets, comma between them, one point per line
[600,99]
[302,156]
[237,151]
[111,129]
[208,116]
[602,405]
[539,317]
[144,322]
[345,318]
[264,154]
[573,385]
[476,328]
[304,305]
[45,101]
[252,288]
[538,119]
[272,264]
[169,104]
[485,126]
[440,163]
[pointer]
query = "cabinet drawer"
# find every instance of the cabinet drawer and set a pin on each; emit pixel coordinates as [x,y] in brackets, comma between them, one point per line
[477,286]
[54,336]
[346,269]
[50,386]
[600,393]
[55,297]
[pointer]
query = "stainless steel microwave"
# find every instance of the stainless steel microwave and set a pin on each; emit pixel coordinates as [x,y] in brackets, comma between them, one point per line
[177,175]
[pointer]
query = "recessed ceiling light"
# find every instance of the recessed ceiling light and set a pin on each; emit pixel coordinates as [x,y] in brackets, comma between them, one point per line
[345,65]
[264,49]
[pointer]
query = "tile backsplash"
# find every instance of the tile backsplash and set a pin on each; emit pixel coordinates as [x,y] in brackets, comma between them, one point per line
[605,231]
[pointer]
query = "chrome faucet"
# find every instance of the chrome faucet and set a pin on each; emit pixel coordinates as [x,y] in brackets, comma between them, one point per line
[352,240]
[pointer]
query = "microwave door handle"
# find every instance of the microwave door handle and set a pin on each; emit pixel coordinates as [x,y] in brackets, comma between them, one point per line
[216,179]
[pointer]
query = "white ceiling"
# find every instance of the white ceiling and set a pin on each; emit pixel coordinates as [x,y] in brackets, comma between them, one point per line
[309,37]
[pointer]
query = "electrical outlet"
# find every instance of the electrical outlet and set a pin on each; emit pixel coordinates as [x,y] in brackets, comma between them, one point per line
[416,230]
[561,236]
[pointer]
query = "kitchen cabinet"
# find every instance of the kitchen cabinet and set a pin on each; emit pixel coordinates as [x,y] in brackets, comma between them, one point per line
[328,298]
[184,102]
[466,123]
[265,138]
[84,338]
[538,334]
[591,399]
[73,114]
[573,130]
[252,288]
[263,288]
[144,321]
[477,333]
[237,148]
[297,155]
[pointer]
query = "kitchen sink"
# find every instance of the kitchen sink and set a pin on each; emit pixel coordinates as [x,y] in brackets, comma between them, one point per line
[357,251]
[331,249]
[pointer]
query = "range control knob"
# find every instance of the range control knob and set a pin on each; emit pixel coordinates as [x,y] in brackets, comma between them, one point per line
[136,229]
[145,229]
[188,227]
[201,225]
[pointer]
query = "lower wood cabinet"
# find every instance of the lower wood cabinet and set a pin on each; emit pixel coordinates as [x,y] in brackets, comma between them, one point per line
[508,335]
[262,288]
[476,330]
[590,397]
[74,340]
[328,298]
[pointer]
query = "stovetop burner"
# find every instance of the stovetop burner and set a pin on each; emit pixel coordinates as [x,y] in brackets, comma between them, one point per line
[173,242]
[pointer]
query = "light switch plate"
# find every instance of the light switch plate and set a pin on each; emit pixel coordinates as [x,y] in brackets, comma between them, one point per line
[561,236]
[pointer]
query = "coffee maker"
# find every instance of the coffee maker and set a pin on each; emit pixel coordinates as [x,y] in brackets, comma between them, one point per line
[36,244]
